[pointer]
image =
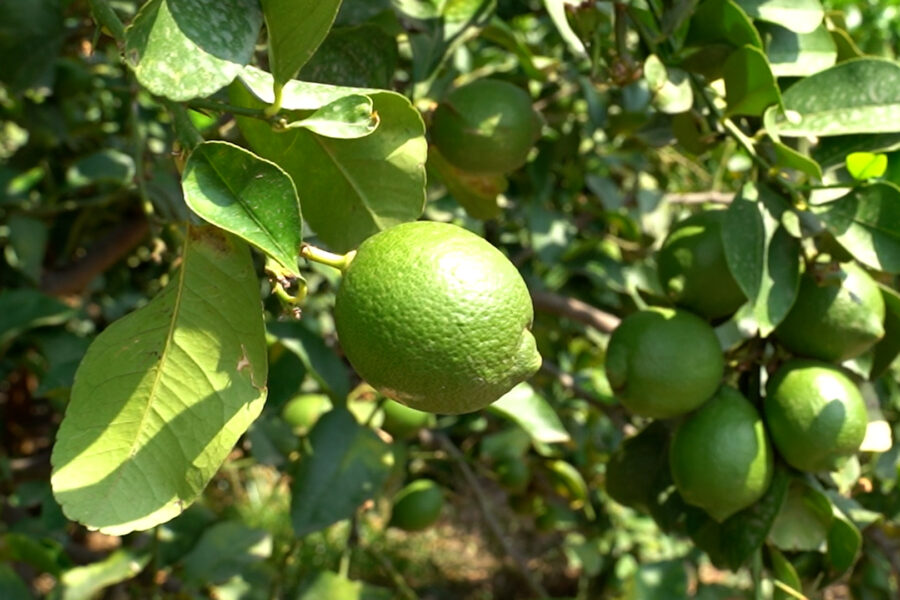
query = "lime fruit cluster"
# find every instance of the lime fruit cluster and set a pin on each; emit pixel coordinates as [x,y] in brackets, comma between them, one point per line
[720,448]
[436,318]
[487,126]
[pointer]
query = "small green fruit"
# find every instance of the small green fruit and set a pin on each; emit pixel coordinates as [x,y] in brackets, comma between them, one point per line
[301,412]
[417,506]
[403,422]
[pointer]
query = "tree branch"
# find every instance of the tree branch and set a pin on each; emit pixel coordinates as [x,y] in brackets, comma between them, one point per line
[574,309]
[699,198]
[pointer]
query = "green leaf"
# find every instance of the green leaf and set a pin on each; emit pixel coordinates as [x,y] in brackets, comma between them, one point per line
[523,406]
[866,222]
[350,189]
[346,118]
[557,11]
[784,572]
[833,151]
[865,165]
[27,245]
[750,87]
[793,54]
[844,542]
[184,49]
[252,198]
[347,465]
[296,28]
[888,348]
[105,166]
[722,21]
[320,360]
[783,156]
[658,581]
[477,193]
[671,87]
[363,56]
[31,36]
[857,96]
[332,586]
[801,16]
[804,520]
[11,585]
[84,583]
[762,256]
[23,309]
[163,394]
[225,550]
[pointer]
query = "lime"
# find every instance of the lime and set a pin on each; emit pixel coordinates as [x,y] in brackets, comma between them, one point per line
[301,412]
[417,506]
[693,270]
[815,413]
[662,362]
[837,314]
[635,467]
[436,318]
[403,422]
[487,126]
[720,458]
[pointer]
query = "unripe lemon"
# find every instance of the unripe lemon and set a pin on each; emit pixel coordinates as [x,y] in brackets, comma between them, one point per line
[436,318]
[403,422]
[815,413]
[693,269]
[662,363]
[301,412]
[834,319]
[720,458]
[487,126]
[417,506]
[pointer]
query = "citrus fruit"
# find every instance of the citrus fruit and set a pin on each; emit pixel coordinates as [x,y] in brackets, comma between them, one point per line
[487,126]
[436,318]
[663,362]
[836,316]
[815,413]
[513,474]
[693,270]
[720,458]
[403,422]
[301,412]
[417,506]
[634,468]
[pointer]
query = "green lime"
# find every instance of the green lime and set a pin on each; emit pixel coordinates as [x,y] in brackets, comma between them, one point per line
[662,363]
[403,422]
[301,412]
[693,270]
[720,458]
[435,317]
[837,315]
[635,467]
[417,506]
[513,474]
[487,126]
[815,413]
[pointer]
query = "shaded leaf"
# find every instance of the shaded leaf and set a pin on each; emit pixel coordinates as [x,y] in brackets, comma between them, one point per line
[793,54]
[350,189]
[27,245]
[11,585]
[332,586]
[163,394]
[887,349]
[362,56]
[856,96]
[477,193]
[784,572]
[105,166]
[347,465]
[295,28]
[224,550]
[83,583]
[832,151]
[801,16]
[523,406]
[31,36]
[867,223]
[750,87]
[722,22]
[804,520]
[184,49]
[24,308]
[252,198]
[844,542]
[320,360]
[658,581]
[763,257]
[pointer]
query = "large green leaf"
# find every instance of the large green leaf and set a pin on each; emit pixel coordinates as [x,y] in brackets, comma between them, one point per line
[857,96]
[184,49]
[867,223]
[296,28]
[163,394]
[762,256]
[225,550]
[252,198]
[349,189]
[522,405]
[347,466]
[793,54]
[84,583]
[801,16]
[750,87]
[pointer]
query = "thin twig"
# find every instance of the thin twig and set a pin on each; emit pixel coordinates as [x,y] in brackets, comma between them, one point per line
[490,520]
[574,309]
[402,586]
[614,412]
[699,198]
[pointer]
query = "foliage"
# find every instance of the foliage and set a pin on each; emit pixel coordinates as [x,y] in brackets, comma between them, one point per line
[181,181]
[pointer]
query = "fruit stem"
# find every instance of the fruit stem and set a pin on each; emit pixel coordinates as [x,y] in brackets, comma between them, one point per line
[338,261]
